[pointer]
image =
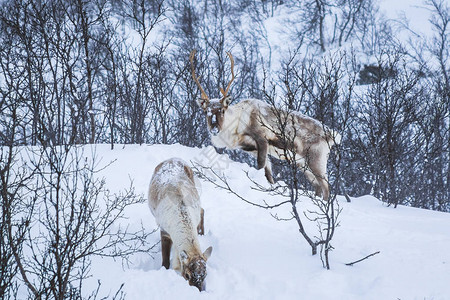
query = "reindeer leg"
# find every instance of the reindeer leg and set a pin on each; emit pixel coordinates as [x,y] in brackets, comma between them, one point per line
[262,146]
[268,171]
[201,225]
[310,176]
[166,245]
[176,263]
[314,180]
[319,169]
[325,188]
[320,182]
[259,148]
[267,168]
[316,171]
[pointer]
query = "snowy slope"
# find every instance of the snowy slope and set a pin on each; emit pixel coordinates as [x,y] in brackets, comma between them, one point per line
[415,12]
[256,257]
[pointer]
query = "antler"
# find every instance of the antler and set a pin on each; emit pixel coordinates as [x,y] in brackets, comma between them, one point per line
[225,92]
[191,58]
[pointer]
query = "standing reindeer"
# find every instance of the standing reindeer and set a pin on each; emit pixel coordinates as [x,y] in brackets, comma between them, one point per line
[174,201]
[253,126]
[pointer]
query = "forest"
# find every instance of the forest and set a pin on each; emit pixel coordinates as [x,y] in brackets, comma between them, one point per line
[77,72]
[117,72]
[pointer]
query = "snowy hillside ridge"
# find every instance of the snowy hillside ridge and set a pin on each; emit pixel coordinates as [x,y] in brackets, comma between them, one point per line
[258,257]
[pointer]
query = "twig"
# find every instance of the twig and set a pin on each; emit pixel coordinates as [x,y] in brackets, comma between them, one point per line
[226,186]
[359,260]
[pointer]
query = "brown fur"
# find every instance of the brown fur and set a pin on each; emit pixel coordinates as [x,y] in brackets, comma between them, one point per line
[166,246]
[189,173]
[201,225]
[175,203]
[310,139]
[261,136]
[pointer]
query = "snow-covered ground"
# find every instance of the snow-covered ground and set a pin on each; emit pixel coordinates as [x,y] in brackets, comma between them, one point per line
[257,257]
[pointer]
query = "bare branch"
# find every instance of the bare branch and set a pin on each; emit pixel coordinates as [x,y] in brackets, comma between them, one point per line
[359,260]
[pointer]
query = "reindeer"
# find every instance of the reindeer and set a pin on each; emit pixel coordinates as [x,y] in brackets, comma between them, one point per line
[253,126]
[174,201]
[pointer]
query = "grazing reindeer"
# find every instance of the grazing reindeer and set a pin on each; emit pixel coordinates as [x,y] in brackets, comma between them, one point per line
[175,203]
[253,126]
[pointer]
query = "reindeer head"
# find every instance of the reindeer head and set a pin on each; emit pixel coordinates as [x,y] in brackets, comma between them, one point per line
[215,108]
[194,268]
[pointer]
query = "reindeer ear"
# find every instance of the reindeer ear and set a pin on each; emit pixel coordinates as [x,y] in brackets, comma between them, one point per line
[207,253]
[183,257]
[226,101]
[202,103]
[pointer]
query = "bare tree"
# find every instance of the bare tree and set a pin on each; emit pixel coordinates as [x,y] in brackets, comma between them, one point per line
[432,188]
[325,213]
[324,23]
[293,188]
[61,217]
[386,115]
[142,16]
[15,200]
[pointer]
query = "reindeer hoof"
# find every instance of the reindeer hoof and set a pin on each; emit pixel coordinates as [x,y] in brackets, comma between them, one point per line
[318,192]
[269,177]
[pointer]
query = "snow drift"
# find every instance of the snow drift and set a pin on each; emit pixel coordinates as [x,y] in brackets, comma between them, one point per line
[258,257]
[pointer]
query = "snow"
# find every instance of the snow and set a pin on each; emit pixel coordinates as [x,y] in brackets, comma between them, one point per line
[257,257]
[414,12]
[410,20]
[169,172]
